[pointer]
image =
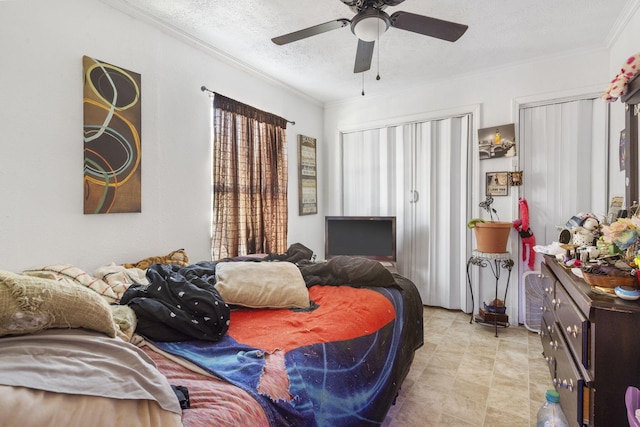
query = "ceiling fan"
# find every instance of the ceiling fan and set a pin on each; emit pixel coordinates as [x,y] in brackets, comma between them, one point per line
[371,21]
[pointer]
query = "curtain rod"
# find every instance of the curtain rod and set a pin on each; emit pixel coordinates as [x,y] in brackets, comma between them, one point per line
[205,89]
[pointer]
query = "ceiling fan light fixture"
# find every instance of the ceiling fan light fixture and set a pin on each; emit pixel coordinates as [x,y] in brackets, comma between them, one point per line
[368,25]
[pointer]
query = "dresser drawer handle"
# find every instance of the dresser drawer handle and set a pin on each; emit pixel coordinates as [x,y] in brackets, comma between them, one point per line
[573,331]
[568,384]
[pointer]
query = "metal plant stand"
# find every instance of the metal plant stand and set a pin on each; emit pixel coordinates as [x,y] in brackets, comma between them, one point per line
[497,262]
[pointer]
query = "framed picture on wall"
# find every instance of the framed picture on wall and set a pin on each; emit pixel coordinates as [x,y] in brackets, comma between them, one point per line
[307,176]
[112,104]
[515,178]
[497,184]
[497,141]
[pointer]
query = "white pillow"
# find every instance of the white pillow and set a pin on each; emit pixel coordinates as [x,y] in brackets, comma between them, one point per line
[261,284]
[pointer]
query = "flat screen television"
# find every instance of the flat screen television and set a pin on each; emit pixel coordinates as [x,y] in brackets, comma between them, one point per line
[371,237]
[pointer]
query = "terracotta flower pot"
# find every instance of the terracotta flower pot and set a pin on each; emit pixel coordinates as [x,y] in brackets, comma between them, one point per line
[492,237]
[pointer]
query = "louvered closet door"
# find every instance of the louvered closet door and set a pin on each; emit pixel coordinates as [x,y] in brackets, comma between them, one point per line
[418,173]
[564,159]
[372,184]
[413,258]
[564,156]
[438,252]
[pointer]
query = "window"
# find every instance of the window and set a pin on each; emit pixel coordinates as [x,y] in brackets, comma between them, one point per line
[250,212]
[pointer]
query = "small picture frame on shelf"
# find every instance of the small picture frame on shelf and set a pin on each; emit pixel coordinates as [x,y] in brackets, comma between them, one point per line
[497,184]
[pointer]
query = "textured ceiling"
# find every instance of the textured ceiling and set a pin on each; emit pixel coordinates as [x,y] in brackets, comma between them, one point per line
[500,32]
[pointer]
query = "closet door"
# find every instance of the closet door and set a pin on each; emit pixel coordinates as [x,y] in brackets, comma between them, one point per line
[418,173]
[414,245]
[437,241]
[372,182]
[564,161]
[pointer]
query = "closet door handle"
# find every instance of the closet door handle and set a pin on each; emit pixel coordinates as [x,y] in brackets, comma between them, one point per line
[416,196]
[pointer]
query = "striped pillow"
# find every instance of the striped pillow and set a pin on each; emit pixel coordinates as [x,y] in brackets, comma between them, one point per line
[65,272]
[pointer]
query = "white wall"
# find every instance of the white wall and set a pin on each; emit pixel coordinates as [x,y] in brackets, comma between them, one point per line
[41,149]
[494,94]
[41,159]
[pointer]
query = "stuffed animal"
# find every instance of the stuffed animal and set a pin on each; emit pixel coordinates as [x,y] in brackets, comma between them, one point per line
[178,257]
[618,85]
[587,233]
[526,235]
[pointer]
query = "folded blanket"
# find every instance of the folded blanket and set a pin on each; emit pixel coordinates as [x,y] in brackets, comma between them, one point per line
[83,362]
[348,270]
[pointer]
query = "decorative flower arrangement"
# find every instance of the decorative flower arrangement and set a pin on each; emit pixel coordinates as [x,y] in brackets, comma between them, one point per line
[621,237]
[623,232]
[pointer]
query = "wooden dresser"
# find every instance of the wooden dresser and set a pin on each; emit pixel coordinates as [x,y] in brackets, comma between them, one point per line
[591,344]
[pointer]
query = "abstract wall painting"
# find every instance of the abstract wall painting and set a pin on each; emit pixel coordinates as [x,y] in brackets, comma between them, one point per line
[112,138]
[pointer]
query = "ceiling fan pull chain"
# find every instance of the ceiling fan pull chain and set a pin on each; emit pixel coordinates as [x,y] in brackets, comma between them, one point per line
[362,74]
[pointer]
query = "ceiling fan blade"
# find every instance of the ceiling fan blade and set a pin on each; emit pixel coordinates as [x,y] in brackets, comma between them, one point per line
[363,56]
[391,2]
[311,31]
[438,28]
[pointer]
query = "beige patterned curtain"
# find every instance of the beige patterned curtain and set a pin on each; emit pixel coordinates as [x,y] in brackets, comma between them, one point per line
[249,181]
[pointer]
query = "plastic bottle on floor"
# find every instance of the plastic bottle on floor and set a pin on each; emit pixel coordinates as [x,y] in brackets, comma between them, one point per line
[550,413]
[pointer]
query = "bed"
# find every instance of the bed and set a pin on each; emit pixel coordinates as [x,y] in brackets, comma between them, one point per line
[287,342]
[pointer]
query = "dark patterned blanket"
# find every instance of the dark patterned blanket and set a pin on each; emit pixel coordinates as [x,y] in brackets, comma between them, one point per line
[344,361]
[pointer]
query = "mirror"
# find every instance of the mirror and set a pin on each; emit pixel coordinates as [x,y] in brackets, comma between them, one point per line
[632,104]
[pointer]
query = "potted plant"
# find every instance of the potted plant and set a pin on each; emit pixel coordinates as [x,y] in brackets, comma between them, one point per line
[491,236]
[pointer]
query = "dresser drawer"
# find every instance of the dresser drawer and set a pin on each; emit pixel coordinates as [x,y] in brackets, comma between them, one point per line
[574,325]
[570,384]
[547,332]
[549,281]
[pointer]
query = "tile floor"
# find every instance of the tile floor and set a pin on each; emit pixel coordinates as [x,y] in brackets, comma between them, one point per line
[465,376]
